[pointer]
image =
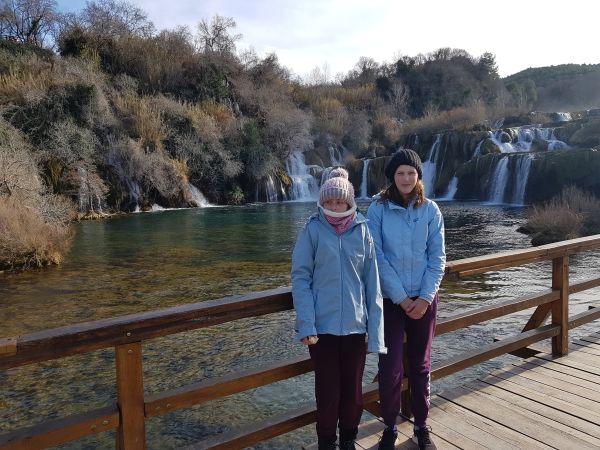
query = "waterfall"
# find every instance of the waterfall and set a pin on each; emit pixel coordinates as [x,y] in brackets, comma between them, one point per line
[335,156]
[198,197]
[304,185]
[563,116]
[522,175]
[499,181]
[365,178]
[429,167]
[451,190]
[270,190]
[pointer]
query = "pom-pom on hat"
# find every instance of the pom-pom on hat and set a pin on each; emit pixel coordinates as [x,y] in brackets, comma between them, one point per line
[404,156]
[338,172]
[337,188]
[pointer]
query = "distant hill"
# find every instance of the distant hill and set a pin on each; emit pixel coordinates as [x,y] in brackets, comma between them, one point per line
[566,87]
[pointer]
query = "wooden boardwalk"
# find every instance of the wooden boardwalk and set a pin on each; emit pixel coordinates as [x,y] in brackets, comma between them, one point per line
[542,402]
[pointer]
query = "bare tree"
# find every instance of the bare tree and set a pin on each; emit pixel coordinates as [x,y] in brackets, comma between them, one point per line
[116,19]
[215,37]
[28,21]
[399,98]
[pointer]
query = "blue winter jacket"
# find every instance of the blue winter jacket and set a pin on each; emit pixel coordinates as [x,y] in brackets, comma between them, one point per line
[335,283]
[410,248]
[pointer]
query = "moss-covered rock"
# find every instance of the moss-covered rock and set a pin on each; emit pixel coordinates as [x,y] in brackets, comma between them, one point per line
[489,147]
[588,135]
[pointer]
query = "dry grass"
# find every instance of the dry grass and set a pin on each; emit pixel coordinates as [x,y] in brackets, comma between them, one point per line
[457,118]
[573,213]
[143,117]
[27,240]
[25,83]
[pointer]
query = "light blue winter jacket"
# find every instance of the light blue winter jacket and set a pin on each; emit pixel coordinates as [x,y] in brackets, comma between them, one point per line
[410,248]
[335,283]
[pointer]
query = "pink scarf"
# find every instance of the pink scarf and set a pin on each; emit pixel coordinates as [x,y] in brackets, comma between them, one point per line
[340,224]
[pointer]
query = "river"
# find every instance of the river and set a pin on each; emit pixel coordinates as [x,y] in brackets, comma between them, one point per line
[147,261]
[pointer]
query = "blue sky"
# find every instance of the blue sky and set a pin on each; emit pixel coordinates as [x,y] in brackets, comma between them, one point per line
[310,33]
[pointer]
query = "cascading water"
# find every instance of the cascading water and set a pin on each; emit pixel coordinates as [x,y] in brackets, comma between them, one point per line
[364,181]
[304,185]
[335,155]
[523,167]
[451,190]
[500,180]
[429,167]
[198,197]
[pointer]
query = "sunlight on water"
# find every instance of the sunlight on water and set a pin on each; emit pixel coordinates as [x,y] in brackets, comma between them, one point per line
[148,261]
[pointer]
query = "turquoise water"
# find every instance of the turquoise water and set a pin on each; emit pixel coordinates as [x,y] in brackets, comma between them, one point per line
[147,261]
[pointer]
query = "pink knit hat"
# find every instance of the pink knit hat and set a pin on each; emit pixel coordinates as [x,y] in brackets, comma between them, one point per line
[338,172]
[337,188]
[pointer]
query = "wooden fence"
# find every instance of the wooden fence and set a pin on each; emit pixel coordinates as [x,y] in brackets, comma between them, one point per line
[128,333]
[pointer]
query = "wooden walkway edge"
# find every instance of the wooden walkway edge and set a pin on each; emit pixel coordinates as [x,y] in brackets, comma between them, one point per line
[542,402]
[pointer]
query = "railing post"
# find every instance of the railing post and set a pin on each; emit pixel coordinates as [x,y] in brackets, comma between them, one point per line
[130,397]
[560,308]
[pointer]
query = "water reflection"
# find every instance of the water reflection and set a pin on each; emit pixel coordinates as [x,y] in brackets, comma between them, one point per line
[148,261]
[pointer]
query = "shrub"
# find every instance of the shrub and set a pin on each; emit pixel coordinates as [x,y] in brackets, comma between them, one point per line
[27,239]
[573,213]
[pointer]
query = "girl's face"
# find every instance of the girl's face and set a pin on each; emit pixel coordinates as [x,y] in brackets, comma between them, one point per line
[406,178]
[336,205]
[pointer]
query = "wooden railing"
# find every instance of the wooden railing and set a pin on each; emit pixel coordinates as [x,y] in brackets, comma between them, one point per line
[127,334]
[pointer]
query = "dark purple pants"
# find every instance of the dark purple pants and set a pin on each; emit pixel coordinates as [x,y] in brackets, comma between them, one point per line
[339,365]
[419,335]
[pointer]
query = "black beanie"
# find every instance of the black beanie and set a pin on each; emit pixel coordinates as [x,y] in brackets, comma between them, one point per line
[404,156]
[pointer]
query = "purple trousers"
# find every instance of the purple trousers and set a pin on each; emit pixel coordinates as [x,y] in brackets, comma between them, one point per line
[419,335]
[339,365]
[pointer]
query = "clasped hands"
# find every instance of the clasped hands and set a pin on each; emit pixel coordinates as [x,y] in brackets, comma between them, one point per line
[415,309]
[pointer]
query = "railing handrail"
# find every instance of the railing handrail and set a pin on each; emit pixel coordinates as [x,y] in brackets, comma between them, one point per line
[127,333]
[94,335]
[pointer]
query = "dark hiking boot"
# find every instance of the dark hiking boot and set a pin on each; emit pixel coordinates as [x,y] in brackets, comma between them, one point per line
[388,440]
[327,443]
[423,439]
[347,445]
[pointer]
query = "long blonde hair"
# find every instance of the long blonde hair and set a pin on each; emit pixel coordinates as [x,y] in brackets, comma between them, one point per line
[392,194]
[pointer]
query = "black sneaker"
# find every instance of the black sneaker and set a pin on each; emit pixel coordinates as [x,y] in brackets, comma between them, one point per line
[388,440]
[422,439]
[347,445]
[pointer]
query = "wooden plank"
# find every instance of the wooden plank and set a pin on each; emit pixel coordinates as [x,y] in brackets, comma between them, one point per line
[131,434]
[566,382]
[199,393]
[562,376]
[529,391]
[584,317]
[490,312]
[254,433]
[55,432]
[584,285]
[470,433]
[531,424]
[273,426]
[521,257]
[570,362]
[584,347]
[8,346]
[486,352]
[560,308]
[515,375]
[479,424]
[575,373]
[579,428]
[84,337]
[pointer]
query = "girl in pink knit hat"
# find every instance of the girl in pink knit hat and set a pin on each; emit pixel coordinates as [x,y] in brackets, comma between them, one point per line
[337,298]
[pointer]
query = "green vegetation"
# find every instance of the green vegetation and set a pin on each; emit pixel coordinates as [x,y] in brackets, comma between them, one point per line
[572,214]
